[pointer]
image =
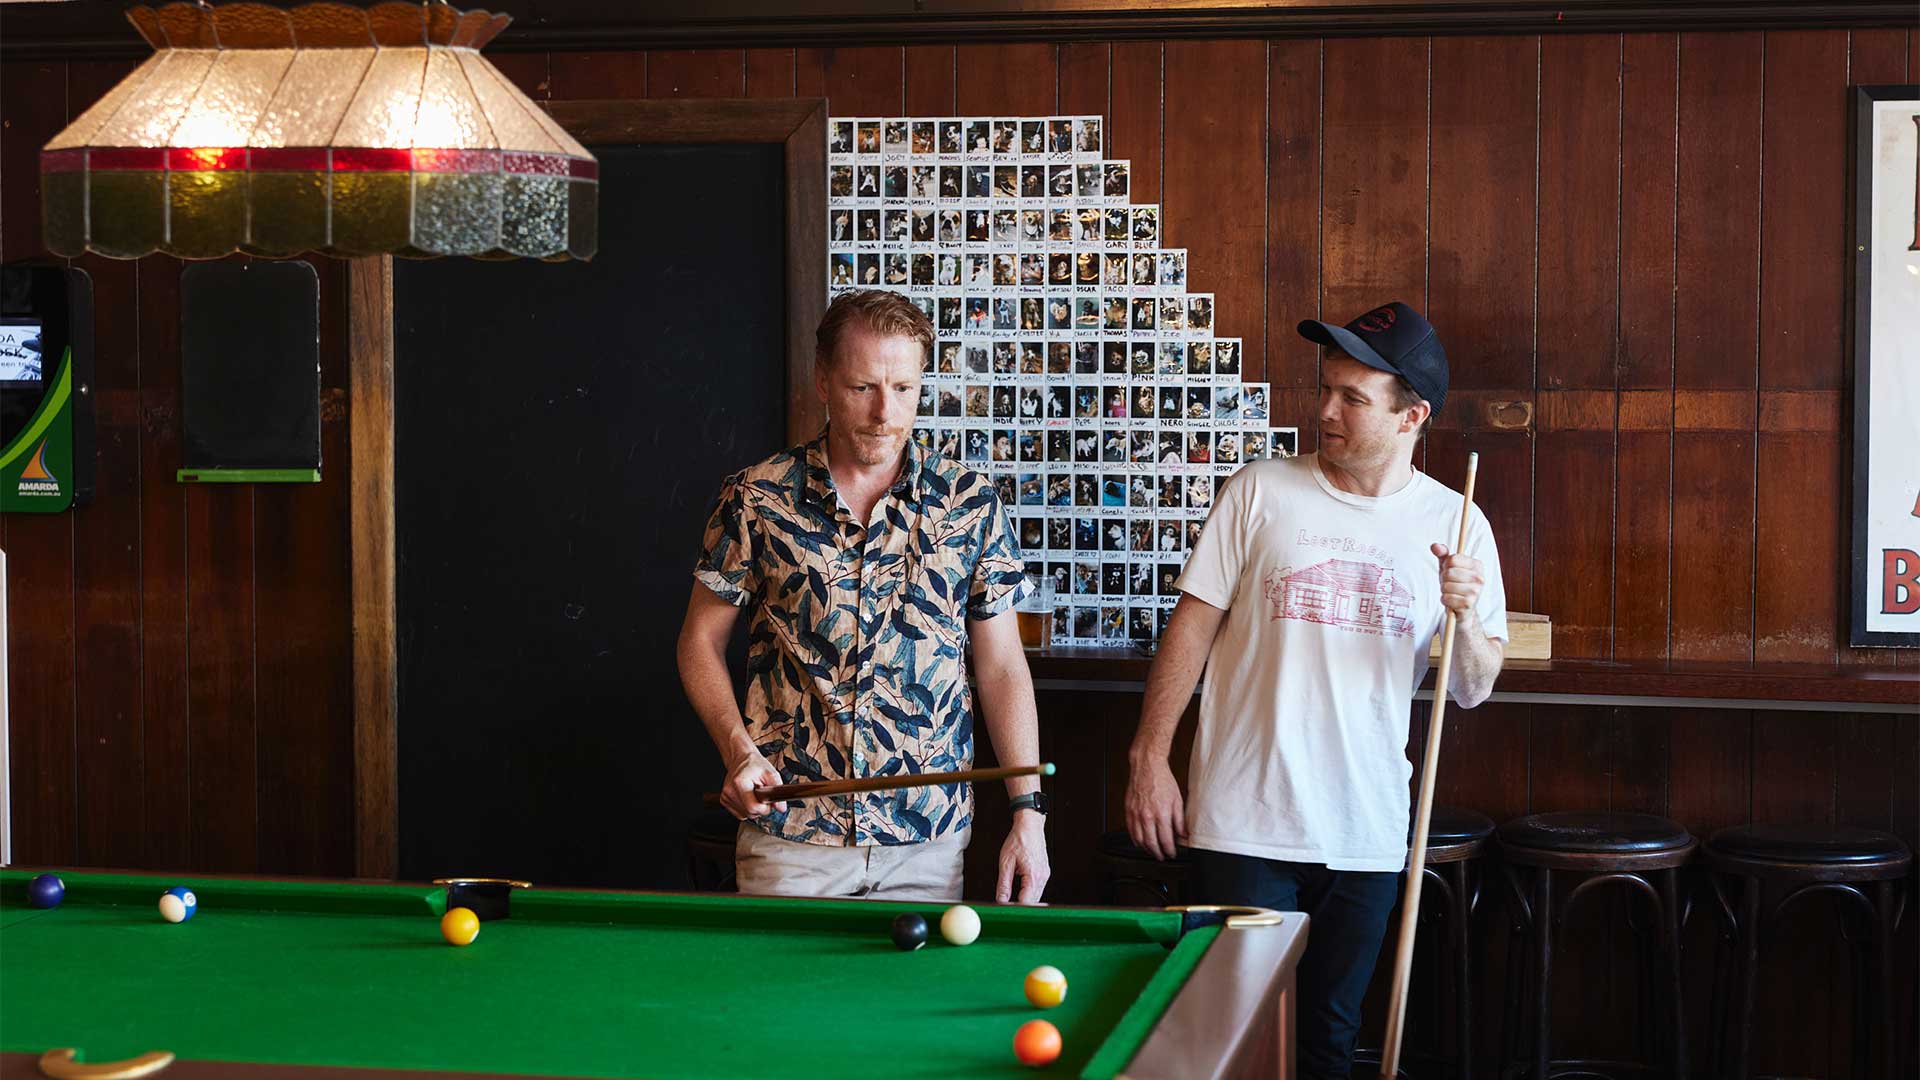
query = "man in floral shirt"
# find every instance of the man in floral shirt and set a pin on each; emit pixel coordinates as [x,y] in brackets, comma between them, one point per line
[870,564]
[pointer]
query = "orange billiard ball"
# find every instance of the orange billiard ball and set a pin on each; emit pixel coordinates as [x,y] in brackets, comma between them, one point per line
[459,926]
[1036,1043]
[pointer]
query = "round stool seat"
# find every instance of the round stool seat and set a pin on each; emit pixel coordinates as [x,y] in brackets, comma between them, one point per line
[1625,833]
[1814,852]
[1808,844]
[1454,834]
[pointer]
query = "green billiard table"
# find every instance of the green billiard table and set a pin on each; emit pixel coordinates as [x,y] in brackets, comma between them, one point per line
[308,978]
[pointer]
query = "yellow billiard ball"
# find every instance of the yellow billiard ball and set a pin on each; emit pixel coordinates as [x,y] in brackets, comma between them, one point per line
[459,926]
[1046,986]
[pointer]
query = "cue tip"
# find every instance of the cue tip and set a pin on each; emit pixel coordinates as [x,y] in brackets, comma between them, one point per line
[1047,769]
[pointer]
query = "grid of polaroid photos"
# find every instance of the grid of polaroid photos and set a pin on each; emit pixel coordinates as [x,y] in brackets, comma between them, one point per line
[1072,363]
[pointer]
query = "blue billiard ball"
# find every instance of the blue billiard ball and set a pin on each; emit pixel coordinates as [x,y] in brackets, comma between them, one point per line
[177,904]
[45,891]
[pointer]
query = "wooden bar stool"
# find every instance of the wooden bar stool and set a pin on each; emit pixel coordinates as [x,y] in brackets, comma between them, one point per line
[1456,839]
[1644,853]
[1863,869]
[1130,877]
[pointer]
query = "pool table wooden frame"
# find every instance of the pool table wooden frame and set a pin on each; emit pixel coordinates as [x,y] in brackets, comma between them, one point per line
[1233,1017]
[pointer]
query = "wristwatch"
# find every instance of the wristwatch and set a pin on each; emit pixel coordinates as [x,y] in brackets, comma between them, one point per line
[1032,800]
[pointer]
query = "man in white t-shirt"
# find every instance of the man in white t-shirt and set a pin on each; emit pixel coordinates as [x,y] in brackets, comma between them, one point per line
[1312,597]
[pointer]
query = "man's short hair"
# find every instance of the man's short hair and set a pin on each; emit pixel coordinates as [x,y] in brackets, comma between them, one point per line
[1406,397]
[877,311]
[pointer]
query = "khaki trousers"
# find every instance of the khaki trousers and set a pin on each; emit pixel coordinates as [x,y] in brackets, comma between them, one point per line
[767,865]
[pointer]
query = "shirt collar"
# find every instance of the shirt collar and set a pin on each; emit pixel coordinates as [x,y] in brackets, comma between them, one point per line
[819,479]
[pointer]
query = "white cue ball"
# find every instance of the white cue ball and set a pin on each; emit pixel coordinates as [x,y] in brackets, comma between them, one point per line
[960,925]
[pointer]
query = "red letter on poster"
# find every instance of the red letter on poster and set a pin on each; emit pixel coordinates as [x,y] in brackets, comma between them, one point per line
[1900,582]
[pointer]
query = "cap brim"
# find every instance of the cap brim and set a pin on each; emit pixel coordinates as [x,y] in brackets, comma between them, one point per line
[1339,337]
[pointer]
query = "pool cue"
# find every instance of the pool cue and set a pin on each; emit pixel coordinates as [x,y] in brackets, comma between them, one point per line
[816,789]
[1423,816]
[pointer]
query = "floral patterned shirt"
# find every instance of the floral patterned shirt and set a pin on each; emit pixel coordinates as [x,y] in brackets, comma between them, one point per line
[856,648]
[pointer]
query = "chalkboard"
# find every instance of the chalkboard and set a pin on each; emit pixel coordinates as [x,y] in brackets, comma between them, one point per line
[561,431]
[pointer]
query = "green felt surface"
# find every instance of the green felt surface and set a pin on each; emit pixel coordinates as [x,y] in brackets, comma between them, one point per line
[585,984]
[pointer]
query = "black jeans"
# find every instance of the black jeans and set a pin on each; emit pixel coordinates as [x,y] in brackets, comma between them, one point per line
[1347,913]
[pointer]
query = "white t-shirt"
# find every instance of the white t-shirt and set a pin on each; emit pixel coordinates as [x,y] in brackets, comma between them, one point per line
[1332,601]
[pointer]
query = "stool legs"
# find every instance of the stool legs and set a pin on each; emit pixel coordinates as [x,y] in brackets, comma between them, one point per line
[1669,884]
[1542,970]
[1460,912]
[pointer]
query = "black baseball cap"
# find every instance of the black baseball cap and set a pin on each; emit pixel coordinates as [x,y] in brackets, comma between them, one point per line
[1393,338]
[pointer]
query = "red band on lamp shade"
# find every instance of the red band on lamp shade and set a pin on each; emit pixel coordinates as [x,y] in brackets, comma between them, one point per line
[584,168]
[371,159]
[127,158]
[290,159]
[206,158]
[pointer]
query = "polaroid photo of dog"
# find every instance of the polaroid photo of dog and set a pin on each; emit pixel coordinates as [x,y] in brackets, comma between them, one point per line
[1226,357]
[840,137]
[1253,401]
[1173,314]
[1285,442]
[1200,313]
[1060,137]
[866,137]
[840,269]
[1173,268]
[1227,404]
[1086,135]
[893,138]
[1113,176]
[1146,225]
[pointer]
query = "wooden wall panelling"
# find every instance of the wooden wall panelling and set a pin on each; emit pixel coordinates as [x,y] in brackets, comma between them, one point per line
[528,71]
[1800,527]
[110,779]
[930,83]
[865,81]
[165,717]
[1293,224]
[304,637]
[1649,141]
[1213,180]
[106,581]
[1006,80]
[1800,531]
[1374,168]
[770,73]
[1085,71]
[1579,212]
[221,668]
[1482,272]
[597,75]
[696,73]
[1574,543]
[33,102]
[1717,214]
[1649,162]
[1135,115]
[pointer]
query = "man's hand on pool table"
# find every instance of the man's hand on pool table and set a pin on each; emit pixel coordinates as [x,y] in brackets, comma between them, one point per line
[752,770]
[1024,855]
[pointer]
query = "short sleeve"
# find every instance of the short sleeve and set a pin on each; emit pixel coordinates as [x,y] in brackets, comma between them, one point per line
[1492,605]
[1213,568]
[726,564]
[999,576]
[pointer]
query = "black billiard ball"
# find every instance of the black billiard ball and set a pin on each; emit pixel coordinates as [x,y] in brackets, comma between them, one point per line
[909,932]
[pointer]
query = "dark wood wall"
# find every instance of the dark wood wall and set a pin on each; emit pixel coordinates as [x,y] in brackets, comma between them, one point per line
[1635,246]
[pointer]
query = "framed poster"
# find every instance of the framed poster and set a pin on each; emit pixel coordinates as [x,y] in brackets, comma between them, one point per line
[1886,367]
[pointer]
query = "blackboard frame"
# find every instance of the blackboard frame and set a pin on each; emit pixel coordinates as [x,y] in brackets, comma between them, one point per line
[799,125]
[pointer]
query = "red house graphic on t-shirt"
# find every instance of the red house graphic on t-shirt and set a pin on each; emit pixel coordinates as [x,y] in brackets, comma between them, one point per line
[1339,592]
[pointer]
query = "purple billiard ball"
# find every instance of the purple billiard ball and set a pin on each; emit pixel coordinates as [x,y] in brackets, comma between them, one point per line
[46,891]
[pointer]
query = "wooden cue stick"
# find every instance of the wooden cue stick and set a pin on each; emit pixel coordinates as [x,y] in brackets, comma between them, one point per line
[816,789]
[1423,816]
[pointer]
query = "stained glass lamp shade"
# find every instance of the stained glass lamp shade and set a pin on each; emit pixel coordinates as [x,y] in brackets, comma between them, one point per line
[323,128]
